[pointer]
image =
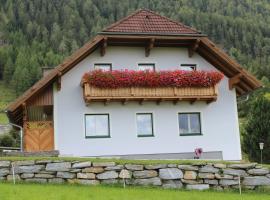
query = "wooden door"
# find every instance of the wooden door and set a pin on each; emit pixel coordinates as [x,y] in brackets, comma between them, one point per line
[38,136]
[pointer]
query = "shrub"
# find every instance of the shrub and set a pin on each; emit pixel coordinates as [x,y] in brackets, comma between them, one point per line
[129,78]
[6,140]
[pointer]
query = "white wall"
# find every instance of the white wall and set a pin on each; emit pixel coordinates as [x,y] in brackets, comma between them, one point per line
[219,119]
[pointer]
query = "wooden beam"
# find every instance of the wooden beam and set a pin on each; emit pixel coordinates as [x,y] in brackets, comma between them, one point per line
[107,101]
[24,112]
[192,101]
[235,80]
[124,102]
[58,81]
[193,48]
[103,46]
[159,101]
[149,46]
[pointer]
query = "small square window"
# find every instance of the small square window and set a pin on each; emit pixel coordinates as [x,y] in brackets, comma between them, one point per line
[97,125]
[188,67]
[103,67]
[146,67]
[144,124]
[189,123]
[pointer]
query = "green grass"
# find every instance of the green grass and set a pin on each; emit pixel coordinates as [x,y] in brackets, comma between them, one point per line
[6,96]
[71,192]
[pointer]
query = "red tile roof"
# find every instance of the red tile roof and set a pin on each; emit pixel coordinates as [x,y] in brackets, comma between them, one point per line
[146,21]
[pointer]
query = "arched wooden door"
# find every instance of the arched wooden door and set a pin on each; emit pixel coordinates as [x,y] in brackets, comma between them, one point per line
[38,136]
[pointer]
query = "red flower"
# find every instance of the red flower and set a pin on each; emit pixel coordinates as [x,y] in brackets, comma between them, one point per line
[131,78]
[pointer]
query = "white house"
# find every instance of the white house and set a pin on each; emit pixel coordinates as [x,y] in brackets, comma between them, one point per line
[61,113]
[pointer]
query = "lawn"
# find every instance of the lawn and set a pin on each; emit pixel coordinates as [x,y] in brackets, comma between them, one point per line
[66,192]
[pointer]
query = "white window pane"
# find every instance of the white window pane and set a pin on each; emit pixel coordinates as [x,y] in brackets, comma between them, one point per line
[194,123]
[146,67]
[183,123]
[97,125]
[188,67]
[103,67]
[144,124]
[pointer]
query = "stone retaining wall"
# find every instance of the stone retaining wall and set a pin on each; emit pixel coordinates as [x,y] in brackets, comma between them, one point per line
[197,176]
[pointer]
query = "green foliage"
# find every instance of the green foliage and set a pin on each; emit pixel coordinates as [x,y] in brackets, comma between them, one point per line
[38,33]
[6,140]
[257,129]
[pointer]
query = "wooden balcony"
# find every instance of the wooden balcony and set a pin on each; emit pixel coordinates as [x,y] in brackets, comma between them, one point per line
[174,94]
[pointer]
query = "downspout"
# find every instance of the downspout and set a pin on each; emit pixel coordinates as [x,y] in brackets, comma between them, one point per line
[21,133]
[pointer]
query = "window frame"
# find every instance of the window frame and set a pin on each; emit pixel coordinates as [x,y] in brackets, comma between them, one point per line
[154,66]
[190,134]
[100,64]
[152,124]
[97,136]
[192,66]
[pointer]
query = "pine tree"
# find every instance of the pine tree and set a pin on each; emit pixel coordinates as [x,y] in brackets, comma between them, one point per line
[257,129]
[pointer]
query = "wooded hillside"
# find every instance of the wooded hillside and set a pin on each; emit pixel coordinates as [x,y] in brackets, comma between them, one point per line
[38,33]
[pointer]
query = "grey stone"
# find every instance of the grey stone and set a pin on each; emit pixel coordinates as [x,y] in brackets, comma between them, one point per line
[145,174]
[4,172]
[256,181]
[87,182]
[44,176]
[36,180]
[28,169]
[172,165]
[126,174]
[188,167]
[172,184]
[223,176]
[46,172]
[60,167]
[262,171]
[65,175]
[190,175]
[192,182]
[235,172]
[197,187]
[23,162]
[4,164]
[220,165]
[81,164]
[242,165]
[43,161]
[56,180]
[86,175]
[156,166]
[206,175]
[107,175]
[268,175]
[208,169]
[93,170]
[211,181]
[27,175]
[10,177]
[109,181]
[148,181]
[114,168]
[170,173]
[75,170]
[103,164]
[226,182]
[134,167]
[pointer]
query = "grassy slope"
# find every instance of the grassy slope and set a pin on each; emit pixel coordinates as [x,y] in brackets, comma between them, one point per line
[42,192]
[6,96]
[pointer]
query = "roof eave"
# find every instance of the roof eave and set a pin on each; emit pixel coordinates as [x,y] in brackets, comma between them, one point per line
[152,34]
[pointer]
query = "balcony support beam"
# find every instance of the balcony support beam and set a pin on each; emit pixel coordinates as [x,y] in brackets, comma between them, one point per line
[193,48]
[149,46]
[103,46]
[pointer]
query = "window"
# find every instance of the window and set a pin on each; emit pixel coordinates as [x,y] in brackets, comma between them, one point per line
[144,124]
[189,123]
[103,67]
[188,67]
[146,66]
[97,126]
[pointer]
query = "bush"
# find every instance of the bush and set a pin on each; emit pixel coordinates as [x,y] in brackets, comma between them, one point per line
[6,140]
[257,129]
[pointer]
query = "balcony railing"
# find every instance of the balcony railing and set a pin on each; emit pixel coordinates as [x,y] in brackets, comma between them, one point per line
[174,94]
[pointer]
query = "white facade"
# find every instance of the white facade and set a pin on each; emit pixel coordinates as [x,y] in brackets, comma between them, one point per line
[219,120]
